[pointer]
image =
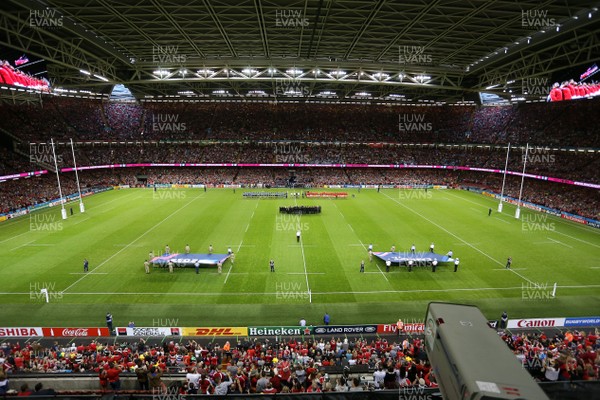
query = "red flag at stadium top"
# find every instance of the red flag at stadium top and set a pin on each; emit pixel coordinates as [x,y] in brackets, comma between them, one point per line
[21,60]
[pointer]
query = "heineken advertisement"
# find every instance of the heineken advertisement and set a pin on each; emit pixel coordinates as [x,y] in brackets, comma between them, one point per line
[279,330]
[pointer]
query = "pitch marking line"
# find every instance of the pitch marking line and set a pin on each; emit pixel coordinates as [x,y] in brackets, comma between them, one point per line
[375,272]
[14,237]
[132,242]
[232,273]
[559,242]
[572,237]
[88,273]
[231,265]
[23,245]
[118,198]
[558,219]
[308,273]
[228,273]
[452,234]
[501,220]
[508,269]
[317,293]
[81,220]
[303,257]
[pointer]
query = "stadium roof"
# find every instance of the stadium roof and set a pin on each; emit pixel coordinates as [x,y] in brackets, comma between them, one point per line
[380,50]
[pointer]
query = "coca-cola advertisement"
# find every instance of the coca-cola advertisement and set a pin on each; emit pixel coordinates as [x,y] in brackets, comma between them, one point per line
[76,332]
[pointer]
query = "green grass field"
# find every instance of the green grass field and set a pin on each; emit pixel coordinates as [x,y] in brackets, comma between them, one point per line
[119,228]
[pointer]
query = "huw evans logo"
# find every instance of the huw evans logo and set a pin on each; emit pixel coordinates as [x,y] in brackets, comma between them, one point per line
[535,222]
[167,123]
[169,194]
[166,393]
[290,18]
[46,18]
[539,156]
[290,153]
[414,393]
[35,291]
[414,55]
[162,55]
[42,153]
[413,122]
[537,19]
[414,194]
[290,291]
[536,291]
[164,322]
[290,87]
[287,222]
[45,223]
[536,86]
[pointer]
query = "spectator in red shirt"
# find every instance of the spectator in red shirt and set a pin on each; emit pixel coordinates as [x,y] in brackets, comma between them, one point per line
[113,376]
[103,377]
[556,93]
[25,391]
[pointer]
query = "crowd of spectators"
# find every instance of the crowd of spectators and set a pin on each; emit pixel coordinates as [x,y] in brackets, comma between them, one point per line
[289,365]
[14,76]
[119,133]
[573,165]
[16,194]
[571,90]
[561,123]
[569,356]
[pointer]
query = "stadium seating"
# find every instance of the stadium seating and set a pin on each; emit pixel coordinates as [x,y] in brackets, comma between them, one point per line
[557,124]
[556,356]
[352,134]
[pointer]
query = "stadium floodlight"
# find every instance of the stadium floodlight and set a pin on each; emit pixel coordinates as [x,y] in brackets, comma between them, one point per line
[81,206]
[100,77]
[518,210]
[161,72]
[504,180]
[62,203]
